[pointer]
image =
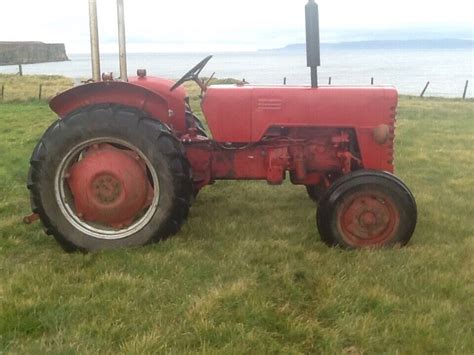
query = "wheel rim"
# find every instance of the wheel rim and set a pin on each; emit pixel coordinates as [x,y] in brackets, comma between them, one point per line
[368,219]
[108,190]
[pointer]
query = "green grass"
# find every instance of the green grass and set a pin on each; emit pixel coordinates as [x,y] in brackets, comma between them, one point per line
[248,273]
[26,88]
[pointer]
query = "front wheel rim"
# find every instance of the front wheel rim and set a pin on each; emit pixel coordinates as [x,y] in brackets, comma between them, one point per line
[367,219]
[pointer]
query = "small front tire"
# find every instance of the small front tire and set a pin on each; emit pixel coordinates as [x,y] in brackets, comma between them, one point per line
[367,209]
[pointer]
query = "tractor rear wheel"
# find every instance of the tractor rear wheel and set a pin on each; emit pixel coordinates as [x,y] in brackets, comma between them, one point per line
[108,177]
[367,209]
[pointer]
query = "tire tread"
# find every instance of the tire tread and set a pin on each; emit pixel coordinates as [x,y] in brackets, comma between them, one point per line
[136,120]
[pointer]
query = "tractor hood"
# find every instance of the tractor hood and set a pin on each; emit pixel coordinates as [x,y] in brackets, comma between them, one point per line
[244,113]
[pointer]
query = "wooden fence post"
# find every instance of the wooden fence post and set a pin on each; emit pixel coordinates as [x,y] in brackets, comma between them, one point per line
[2,92]
[465,90]
[424,90]
[20,70]
[40,93]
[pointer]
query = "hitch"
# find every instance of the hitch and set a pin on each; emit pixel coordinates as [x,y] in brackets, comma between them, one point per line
[31,218]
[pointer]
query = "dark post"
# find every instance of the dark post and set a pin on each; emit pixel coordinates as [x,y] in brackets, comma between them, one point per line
[330,81]
[40,93]
[465,90]
[372,81]
[284,80]
[424,90]
[20,70]
[2,92]
[312,40]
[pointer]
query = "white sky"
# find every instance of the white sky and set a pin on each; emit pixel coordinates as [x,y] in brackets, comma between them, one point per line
[213,25]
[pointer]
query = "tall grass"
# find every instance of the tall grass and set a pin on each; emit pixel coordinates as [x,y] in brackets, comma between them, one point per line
[248,273]
[26,87]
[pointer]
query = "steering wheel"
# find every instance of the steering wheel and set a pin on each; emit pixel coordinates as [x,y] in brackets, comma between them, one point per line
[193,74]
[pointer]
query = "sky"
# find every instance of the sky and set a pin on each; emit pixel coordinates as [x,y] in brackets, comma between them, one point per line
[213,25]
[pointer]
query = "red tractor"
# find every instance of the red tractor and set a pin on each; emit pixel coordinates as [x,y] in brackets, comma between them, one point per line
[124,161]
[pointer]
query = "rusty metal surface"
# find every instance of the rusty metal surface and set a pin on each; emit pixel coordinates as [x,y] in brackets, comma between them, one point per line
[31,218]
[368,218]
[309,155]
[110,186]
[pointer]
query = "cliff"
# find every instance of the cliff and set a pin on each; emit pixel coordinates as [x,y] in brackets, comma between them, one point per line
[13,53]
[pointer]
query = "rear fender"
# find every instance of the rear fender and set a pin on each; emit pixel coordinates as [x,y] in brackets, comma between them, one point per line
[116,92]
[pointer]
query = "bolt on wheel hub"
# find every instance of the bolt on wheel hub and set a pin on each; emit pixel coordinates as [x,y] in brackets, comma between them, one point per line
[368,219]
[107,189]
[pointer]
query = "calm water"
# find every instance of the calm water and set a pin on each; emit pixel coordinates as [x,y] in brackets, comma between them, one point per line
[408,70]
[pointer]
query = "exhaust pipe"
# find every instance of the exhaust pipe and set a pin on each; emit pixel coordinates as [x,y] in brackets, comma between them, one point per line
[94,32]
[122,40]
[312,40]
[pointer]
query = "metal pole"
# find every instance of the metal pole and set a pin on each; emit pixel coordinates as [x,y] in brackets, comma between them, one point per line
[94,30]
[314,77]
[312,40]
[465,90]
[424,90]
[122,40]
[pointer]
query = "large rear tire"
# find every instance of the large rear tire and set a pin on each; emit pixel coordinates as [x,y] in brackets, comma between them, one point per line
[119,132]
[367,209]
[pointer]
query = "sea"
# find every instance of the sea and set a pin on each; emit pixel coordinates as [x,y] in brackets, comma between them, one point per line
[409,70]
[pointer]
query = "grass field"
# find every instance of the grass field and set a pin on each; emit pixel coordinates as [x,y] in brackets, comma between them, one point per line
[26,88]
[248,273]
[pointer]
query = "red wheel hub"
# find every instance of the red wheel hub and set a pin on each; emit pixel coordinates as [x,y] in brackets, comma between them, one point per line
[368,219]
[107,189]
[110,186]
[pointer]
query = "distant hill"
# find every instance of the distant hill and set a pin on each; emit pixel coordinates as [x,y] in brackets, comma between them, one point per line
[13,53]
[389,44]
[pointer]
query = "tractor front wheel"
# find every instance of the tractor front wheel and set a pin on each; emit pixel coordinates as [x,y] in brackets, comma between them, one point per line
[367,209]
[315,192]
[107,177]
